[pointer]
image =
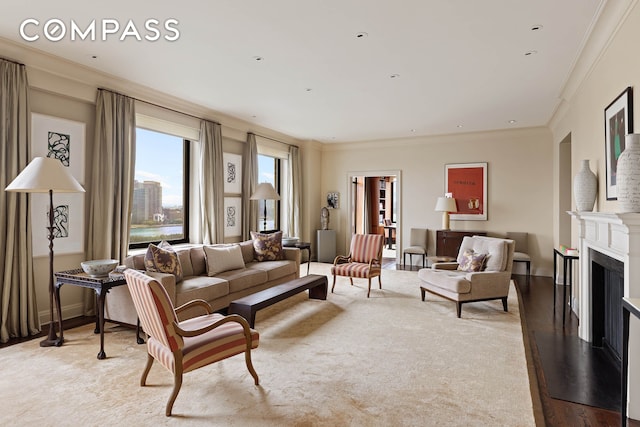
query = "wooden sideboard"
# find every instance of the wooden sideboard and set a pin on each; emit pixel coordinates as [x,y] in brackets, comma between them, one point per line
[448,241]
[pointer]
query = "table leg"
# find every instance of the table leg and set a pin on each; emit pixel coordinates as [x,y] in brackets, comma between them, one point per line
[564,290]
[308,260]
[139,340]
[624,371]
[555,266]
[101,297]
[59,310]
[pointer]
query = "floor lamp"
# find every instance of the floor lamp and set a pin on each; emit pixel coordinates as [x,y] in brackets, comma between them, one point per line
[265,191]
[47,175]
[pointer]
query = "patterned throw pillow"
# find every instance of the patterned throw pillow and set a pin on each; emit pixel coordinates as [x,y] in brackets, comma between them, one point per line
[163,259]
[268,247]
[471,261]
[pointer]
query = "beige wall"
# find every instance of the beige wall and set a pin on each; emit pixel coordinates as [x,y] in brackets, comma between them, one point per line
[520,182]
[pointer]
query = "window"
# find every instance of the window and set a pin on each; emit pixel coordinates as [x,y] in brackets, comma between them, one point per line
[269,171]
[160,208]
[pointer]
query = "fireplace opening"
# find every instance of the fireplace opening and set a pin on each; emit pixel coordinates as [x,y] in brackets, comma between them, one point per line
[607,290]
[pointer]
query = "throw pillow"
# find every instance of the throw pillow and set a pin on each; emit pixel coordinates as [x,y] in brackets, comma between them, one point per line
[163,259]
[268,247]
[222,258]
[471,261]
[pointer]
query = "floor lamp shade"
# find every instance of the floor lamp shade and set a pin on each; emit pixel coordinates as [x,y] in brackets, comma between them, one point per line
[47,175]
[265,191]
[446,205]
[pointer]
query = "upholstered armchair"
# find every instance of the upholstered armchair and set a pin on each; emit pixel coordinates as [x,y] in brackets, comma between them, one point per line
[482,272]
[191,344]
[364,260]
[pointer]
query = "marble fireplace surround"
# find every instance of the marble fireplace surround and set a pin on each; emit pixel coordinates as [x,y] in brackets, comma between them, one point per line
[617,236]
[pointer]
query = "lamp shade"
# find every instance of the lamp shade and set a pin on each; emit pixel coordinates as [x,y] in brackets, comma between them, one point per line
[446,204]
[265,191]
[45,174]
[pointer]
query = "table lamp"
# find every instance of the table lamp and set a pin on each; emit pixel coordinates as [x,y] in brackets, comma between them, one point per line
[47,175]
[446,205]
[265,191]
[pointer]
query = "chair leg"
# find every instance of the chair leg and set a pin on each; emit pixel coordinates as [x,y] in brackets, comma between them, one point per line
[369,290]
[247,358]
[458,309]
[143,379]
[504,303]
[528,268]
[380,281]
[351,280]
[177,383]
[334,283]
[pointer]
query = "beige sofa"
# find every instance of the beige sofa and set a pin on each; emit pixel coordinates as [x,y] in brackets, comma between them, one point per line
[218,290]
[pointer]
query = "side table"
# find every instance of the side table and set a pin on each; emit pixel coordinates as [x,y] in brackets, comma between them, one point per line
[101,286]
[302,246]
[567,263]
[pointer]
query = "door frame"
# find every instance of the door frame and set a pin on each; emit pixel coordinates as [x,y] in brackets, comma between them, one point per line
[373,173]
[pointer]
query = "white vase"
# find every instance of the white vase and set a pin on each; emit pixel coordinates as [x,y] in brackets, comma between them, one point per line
[628,175]
[585,188]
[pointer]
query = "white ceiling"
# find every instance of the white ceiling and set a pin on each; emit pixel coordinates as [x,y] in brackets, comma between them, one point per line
[459,62]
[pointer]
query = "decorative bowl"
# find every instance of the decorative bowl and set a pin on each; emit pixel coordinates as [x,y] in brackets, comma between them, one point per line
[99,267]
[289,241]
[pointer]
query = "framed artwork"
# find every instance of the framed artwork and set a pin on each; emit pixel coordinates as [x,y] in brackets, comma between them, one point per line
[68,223]
[61,139]
[232,173]
[333,200]
[467,183]
[232,216]
[618,122]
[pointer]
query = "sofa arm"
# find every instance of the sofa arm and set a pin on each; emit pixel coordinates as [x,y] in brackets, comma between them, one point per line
[168,281]
[292,254]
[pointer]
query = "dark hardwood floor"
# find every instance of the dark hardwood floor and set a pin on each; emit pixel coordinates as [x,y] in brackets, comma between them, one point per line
[536,307]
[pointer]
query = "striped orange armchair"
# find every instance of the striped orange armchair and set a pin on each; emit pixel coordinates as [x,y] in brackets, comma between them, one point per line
[191,344]
[364,260]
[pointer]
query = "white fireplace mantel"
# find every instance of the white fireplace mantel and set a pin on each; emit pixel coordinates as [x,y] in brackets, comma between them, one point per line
[617,236]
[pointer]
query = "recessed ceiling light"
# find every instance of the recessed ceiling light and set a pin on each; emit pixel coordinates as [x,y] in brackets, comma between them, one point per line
[394,76]
[512,121]
[531,52]
[258,58]
[460,126]
[536,27]
[308,89]
[361,35]
[413,130]
[94,56]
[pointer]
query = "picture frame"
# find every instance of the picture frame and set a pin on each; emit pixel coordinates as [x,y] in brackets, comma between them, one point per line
[232,217]
[232,173]
[467,183]
[61,139]
[618,122]
[333,200]
[68,223]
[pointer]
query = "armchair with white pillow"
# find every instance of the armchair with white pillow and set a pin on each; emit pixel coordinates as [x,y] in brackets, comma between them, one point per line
[482,272]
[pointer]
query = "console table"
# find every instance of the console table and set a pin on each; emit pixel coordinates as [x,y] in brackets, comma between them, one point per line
[448,241]
[629,305]
[567,264]
[101,285]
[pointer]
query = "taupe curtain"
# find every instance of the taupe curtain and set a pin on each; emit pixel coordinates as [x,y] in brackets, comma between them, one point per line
[112,174]
[294,191]
[249,182]
[18,310]
[211,183]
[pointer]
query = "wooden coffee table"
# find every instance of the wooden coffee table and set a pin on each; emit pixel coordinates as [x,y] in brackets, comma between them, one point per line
[249,305]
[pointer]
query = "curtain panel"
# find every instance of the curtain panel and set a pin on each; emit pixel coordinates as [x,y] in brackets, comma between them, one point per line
[211,188]
[18,310]
[112,175]
[294,192]
[249,183]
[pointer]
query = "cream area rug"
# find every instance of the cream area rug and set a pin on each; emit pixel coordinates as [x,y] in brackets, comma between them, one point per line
[388,360]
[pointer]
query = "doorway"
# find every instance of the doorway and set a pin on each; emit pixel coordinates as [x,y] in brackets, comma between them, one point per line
[375,208]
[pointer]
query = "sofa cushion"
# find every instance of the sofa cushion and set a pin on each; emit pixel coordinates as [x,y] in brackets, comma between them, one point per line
[247,251]
[198,261]
[223,258]
[471,261]
[496,250]
[201,287]
[163,259]
[244,278]
[275,269]
[451,280]
[267,247]
[185,261]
